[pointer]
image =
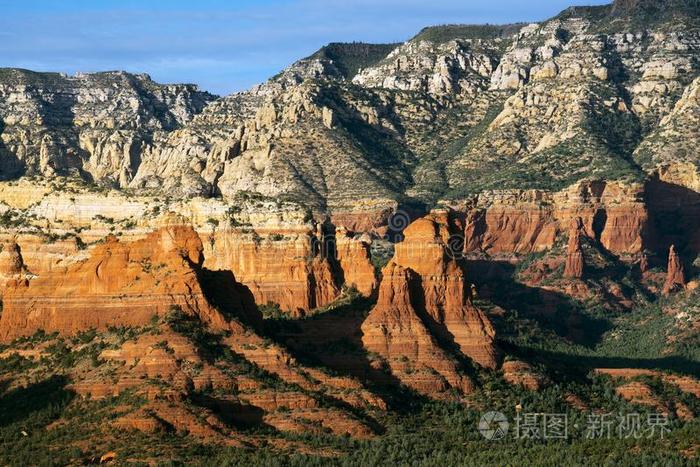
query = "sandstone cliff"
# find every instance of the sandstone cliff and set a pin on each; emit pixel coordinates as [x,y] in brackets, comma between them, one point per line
[120,284]
[294,192]
[354,261]
[285,268]
[507,222]
[442,291]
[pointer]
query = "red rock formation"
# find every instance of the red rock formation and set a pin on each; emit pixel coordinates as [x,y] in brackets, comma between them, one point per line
[177,367]
[442,292]
[159,415]
[644,263]
[121,284]
[141,420]
[423,302]
[310,421]
[373,220]
[510,229]
[355,264]
[613,213]
[11,264]
[278,361]
[640,393]
[166,355]
[395,331]
[576,402]
[684,383]
[522,374]
[298,268]
[284,267]
[508,222]
[683,411]
[675,276]
[574,253]
[41,256]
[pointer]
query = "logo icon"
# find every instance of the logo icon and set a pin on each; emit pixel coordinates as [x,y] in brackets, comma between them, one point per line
[399,221]
[493,426]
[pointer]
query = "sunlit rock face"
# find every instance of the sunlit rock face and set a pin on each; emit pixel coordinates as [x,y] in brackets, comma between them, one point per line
[120,284]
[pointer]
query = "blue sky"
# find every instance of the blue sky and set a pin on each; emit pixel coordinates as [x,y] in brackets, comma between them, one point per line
[224,46]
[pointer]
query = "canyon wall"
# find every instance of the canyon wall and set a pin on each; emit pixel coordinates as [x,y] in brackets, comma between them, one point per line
[521,222]
[282,268]
[120,284]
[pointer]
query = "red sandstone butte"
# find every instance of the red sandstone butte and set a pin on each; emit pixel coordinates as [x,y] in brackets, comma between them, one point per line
[120,284]
[395,331]
[441,290]
[423,301]
[675,277]
[575,264]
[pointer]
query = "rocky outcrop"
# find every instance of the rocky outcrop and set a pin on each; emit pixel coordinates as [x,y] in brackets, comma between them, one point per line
[669,149]
[355,264]
[543,105]
[527,221]
[40,255]
[687,384]
[458,67]
[157,416]
[639,392]
[575,264]
[285,267]
[584,124]
[520,373]
[509,228]
[644,263]
[278,361]
[424,308]
[98,123]
[121,284]
[163,355]
[675,273]
[226,370]
[11,262]
[296,266]
[430,249]
[272,246]
[395,331]
[370,217]
[642,394]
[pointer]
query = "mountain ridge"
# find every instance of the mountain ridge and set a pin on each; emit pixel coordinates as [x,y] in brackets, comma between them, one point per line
[457,81]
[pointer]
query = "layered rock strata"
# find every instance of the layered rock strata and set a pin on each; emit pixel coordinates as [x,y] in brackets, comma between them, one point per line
[530,221]
[395,331]
[424,310]
[120,284]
